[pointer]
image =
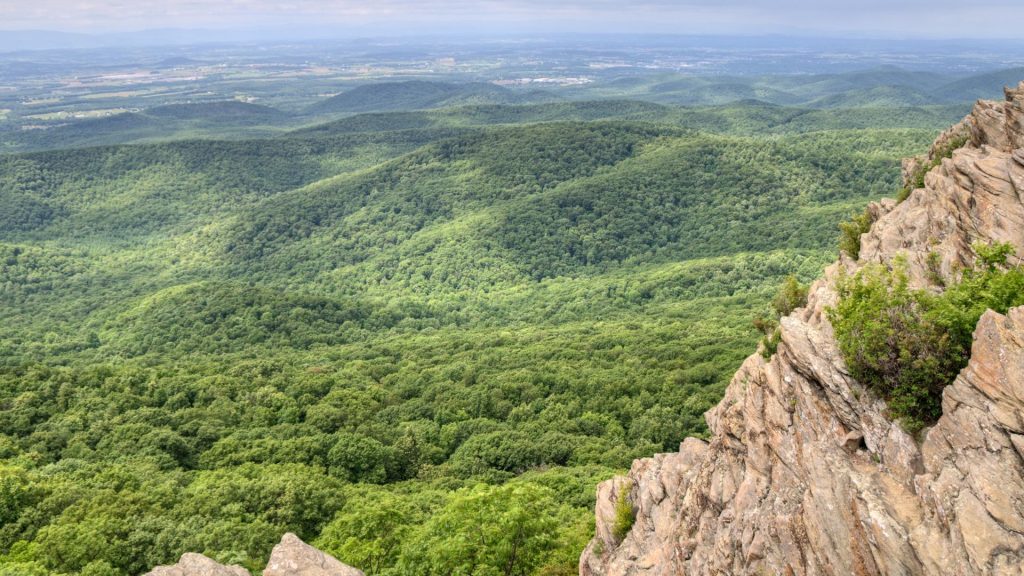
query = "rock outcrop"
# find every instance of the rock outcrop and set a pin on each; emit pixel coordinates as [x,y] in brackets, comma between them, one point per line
[197,565]
[804,474]
[292,557]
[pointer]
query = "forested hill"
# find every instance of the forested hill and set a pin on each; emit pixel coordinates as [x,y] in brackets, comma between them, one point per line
[391,332]
[223,107]
[246,122]
[421,94]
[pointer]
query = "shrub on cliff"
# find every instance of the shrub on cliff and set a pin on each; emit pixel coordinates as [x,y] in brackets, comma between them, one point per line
[790,296]
[849,240]
[624,514]
[907,345]
[891,346]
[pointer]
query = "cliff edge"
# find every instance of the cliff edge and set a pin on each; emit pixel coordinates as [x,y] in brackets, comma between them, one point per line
[804,473]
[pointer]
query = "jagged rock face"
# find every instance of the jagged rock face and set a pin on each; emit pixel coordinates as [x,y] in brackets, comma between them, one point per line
[804,474]
[197,565]
[292,557]
[998,124]
[973,196]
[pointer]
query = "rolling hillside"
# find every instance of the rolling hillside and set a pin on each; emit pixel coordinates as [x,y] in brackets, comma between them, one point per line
[422,94]
[204,344]
[886,86]
[879,98]
[160,123]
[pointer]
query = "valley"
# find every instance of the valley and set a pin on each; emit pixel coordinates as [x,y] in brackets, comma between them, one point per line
[389,304]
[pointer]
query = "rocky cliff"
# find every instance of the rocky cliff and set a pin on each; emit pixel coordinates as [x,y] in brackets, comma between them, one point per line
[292,557]
[804,473]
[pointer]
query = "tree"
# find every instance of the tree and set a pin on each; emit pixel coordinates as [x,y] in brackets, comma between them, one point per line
[370,530]
[485,531]
[359,458]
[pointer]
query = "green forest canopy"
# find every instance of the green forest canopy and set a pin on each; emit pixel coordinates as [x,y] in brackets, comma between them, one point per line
[379,339]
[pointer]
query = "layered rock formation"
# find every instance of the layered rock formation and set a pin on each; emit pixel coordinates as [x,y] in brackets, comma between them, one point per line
[804,474]
[292,557]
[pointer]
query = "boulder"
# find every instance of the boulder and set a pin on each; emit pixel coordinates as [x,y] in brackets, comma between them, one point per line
[293,557]
[197,565]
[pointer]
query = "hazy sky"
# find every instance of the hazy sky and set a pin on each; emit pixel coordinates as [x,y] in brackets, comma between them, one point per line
[902,18]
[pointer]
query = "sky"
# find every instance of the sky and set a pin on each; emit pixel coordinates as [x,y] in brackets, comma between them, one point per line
[888,18]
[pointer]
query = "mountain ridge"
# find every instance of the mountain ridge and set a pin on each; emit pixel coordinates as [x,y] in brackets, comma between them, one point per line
[422,94]
[805,471]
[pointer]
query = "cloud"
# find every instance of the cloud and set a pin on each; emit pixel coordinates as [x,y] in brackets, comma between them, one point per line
[905,17]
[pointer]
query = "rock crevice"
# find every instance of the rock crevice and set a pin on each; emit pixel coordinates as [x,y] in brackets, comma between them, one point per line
[804,474]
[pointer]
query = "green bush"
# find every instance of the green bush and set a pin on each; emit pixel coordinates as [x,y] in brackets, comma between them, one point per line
[770,343]
[624,514]
[371,528]
[849,240]
[790,296]
[485,531]
[903,193]
[907,345]
[990,284]
[934,271]
[890,346]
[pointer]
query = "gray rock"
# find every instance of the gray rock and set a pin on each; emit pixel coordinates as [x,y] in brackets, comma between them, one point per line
[852,441]
[197,565]
[293,557]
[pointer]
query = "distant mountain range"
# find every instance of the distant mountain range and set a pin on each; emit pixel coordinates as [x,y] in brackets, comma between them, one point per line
[883,86]
[420,95]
